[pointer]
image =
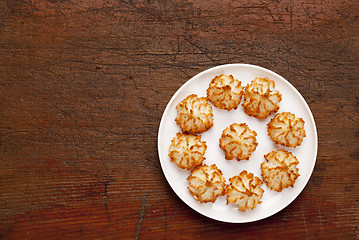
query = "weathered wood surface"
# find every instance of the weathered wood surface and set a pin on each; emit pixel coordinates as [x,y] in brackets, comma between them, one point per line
[83,85]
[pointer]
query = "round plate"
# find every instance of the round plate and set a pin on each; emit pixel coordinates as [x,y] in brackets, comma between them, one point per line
[272,201]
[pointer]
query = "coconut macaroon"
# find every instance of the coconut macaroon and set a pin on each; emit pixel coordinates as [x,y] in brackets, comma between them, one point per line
[280,170]
[286,129]
[260,98]
[187,150]
[244,190]
[194,114]
[225,92]
[238,141]
[206,183]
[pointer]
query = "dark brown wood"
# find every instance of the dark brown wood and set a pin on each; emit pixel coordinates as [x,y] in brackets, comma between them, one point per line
[83,85]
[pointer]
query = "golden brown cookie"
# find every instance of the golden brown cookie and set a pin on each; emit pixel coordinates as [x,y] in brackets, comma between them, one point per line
[260,98]
[244,191]
[187,150]
[238,141]
[286,129]
[206,183]
[225,92]
[280,170]
[194,114]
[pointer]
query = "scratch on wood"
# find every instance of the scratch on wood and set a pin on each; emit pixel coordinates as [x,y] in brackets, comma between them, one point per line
[105,202]
[165,211]
[320,217]
[270,13]
[141,217]
[74,145]
[202,51]
[168,219]
[305,225]
[346,115]
[175,214]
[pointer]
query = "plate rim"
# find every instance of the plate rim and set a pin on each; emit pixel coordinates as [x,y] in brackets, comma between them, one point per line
[286,82]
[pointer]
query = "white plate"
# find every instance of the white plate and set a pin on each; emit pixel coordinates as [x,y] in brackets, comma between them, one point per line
[272,202]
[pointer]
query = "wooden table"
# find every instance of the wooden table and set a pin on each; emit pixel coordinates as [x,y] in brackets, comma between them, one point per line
[84,85]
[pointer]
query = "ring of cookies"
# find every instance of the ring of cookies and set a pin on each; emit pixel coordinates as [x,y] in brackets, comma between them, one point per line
[195,116]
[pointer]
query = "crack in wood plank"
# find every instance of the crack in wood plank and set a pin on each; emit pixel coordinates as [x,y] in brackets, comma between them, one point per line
[141,217]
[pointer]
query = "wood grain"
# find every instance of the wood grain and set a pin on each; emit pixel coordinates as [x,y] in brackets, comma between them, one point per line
[83,85]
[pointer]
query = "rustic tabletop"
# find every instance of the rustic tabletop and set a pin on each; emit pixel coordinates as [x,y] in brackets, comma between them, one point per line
[83,85]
